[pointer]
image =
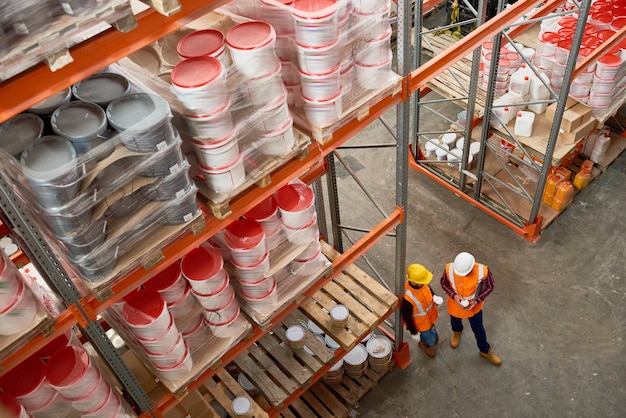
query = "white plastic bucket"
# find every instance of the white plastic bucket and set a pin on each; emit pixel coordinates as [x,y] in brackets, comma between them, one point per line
[214,125]
[600,100]
[220,153]
[315,22]
[197,335]
[373,25]
[449,139]
[309,252]
[265,301]
[339,316]
[279,141]
[276,114]
[27,382]
[225,179]
[321,86]
[178,371]
[171,357]
[267,89]
[169,283]
[245,239]
[355,361]
[253,272]
[182,307]
[111,407]
[18,314]
[323,113]
[146,314]
[258,288]
[72,373]
[308,267]
[163,342]
[278,14]
[608,67]
[379,349]
[224,314]
[318,60]
[199,84]
[217,300]
[296,204]
[251,45]
[375,51]
[94,399]
[225,330]
[204,43]
[601,86]
[374,76]
[295,337]
[303,235]
[431,148]
[203,267]
[442,152]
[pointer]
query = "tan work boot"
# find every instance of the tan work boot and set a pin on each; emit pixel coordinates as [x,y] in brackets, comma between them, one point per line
[455,339]
[491,356]
[430,351]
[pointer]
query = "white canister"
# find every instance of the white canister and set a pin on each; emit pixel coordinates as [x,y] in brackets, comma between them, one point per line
[245,238]
[254,272]
[220,153]
[303,235]
[267,88]
[296,204]
[204,43]
[374,24]
[199,84]
[374,76]
[279,141]
[214,125]
[323,113]
[442,152]
[374,51]
[251,45]
[321,86]
[449,139]
[431,147]
[276,114]
[318,60]
[315,22]
[227,178]
[608,67]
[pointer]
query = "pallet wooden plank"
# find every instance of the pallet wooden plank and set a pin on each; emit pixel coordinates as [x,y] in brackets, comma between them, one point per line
[368,299]
[273,370]
[275,394]
[348,391]
[326,396]
[356,308]
[341,335]
[287,414]
[311,361]
[322,353]
[285,359]
[302,409]
[316,405]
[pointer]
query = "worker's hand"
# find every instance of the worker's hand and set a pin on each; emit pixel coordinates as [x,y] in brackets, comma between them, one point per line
[471,305]
[458,299]
[416,336]
[438,300]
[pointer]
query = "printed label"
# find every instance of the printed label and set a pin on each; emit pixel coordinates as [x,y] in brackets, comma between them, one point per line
[180,194]
[161,145]
[188,217]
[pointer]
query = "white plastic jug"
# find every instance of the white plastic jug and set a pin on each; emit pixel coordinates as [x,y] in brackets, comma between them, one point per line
[520,83]
[524,123]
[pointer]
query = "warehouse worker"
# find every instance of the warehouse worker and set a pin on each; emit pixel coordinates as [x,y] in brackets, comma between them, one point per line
[467,284]
[419,312]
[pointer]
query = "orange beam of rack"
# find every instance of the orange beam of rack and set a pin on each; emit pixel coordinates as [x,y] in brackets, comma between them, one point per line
[36,84]
[531,232]
[169,401]
[63,322]
[425,73]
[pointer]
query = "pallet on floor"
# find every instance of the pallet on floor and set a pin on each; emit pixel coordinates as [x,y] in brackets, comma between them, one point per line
[616,147]
[351,390]
[355,106]
[317,402]
[222,388]
[278,371]
[367,300]
[219,203]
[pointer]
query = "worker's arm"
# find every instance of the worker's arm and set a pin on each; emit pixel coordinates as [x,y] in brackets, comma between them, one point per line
[445,285]
[407,316]
[487,287]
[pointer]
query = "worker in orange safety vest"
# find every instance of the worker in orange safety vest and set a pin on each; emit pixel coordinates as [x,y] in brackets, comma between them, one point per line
[419,308]
[467,284]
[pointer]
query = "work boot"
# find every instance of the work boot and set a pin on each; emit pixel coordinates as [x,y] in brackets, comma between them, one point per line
[455,339]
[430,351]
[491,356]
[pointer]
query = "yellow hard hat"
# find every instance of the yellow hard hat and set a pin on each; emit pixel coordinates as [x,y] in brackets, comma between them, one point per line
[416,273]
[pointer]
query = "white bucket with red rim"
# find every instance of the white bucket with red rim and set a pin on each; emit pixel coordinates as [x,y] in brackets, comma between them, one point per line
[375,51]
[296,203]
[219,153]
[111,407]
[601,86]
[285,47]
[278,14]
[374,76]
[268,88]
[163,342]
[546,44]
[27,382]
[182,307]
[318,60]
[223,315]
[246,240]
[226,329]
[9,284]
[315,22]
[253,272]
[169,283]
[178,371]
[72,373]
[203,267]
[204,43]
[13,407]
[369,6]
[323,113]
[304,235]
[279,141]
[49,349]
[321,86]
[265,301]
[171,357]
[310,266]
[289,72]
[579,89]
[347,79]
[94,399]
[608,67]
[197,335]
[20,313]
[309,252]
[600,100]
[227,178]
[276,114]
[146,313]
[199,84]
[216,300]
[251,45]
[373,25]
[266,213]
[258,288]
[214,125]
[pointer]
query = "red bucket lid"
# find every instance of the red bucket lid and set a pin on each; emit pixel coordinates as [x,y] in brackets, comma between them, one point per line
[603,35]
[200,43]
[584,52]
[24,377]
[591,29]
[49,349]
[512,56]
[263,210]
[565,44]
[294,197]
[566,33]
[244,234]
[550,37]
[618,23]
[590,42]
[201,263]
[488,46]
[196,72]
[602,17]
[314,9]
[141,306]
[249,35]
[568,22]
[611,60]
[164,279]
[11,405]
[67,365]
[504,63]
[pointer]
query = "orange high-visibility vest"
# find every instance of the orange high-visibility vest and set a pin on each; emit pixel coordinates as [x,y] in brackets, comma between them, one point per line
[466,287]
[425,312]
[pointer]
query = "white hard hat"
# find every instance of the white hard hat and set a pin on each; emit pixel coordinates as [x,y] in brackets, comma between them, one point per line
[463,263]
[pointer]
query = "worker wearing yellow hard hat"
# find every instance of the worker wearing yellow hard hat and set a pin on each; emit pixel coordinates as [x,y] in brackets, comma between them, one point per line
[419,308]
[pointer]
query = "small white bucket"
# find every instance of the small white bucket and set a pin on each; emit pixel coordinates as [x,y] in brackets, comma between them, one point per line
[303,235]
[442,152]
[172,357]
[323,113]
[179,370]
[181,308]
[318,60]
[268,88]
[203,268]
[608,67]
[321,86]
[375,51]
[373,25]
[276,114]
[217,300]
[601,86]
[431,148]
[245,238]
[258,288]
[295,337]
[339,316]
[251,45]
[315,22]
[204,43]
[280,141]
[253,272]
[308,267]
[449,139]
[163,342]
[214,125]
[374,76]
[268,300]
[225,179]
[199,84]
[600,100]
[227,329]
[310,252]
[296,203]
[220,153]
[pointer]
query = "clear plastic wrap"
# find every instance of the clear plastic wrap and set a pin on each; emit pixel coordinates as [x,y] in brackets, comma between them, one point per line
[34,30]
[106,184]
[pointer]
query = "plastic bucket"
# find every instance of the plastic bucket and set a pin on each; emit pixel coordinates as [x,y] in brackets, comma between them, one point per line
[295,337]
[296,203]
[266,301]
[323,113]
[216,300]
[163,342]
[253,272]
[171,357]
[265,213]
[276,114]
[214,125]
[608,67]
[374,76]
[204,43]
[183,306]
[17,133]
[251,46]
[318,60]
[18,315]
[94,399]
[101,88]
[225,179]
[223,323]
[258,288]
[9,284]
[278,14]
[169,283]
[203,267]
[197,335]
[47,106]
[179,370]
[355,361]
[379,349]
[320,87]
[310,266]
[28,384]
[83,123]
[219,153]
[245,239]
[49,349]
[146,313]
[373,25]
[11,406]
[110,408]
[601,86]
[280,141]
[315,22]
[199,84]
[71,372]
[314,328]
[375,51]
[339,316]
[334,375]
[310,252]
[304,235]
[268,88]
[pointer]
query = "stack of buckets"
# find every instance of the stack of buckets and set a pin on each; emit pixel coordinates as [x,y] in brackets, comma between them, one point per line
[18,306]
[151,323]
[67,378]
[203,268]
[509,61]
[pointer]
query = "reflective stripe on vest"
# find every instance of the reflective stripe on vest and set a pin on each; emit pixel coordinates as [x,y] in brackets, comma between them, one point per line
[418,305]
[481,275]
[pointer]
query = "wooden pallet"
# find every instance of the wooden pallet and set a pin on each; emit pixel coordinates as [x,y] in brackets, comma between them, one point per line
[223,388]
[317,402]
[355,106]
[367,300]
[351,390]
[617,146]
[278,371]
[52,44]
[261,176]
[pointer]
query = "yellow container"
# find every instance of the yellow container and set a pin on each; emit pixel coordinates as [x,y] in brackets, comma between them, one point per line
[564,195]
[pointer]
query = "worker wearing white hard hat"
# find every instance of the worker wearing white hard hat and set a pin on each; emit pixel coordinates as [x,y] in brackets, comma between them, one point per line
[467,284]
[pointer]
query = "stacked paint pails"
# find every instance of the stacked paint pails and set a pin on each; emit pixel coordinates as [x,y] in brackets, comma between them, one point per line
[267,215]
[373,59]
[309,261]
[18,307]
[334,375]
[355,361]
[28,384]
[13,407]
[203,268]
[296,203]
[204,43]
[380,353]
[148,318]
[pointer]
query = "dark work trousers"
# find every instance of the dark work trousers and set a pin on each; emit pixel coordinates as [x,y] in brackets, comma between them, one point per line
[476,322]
